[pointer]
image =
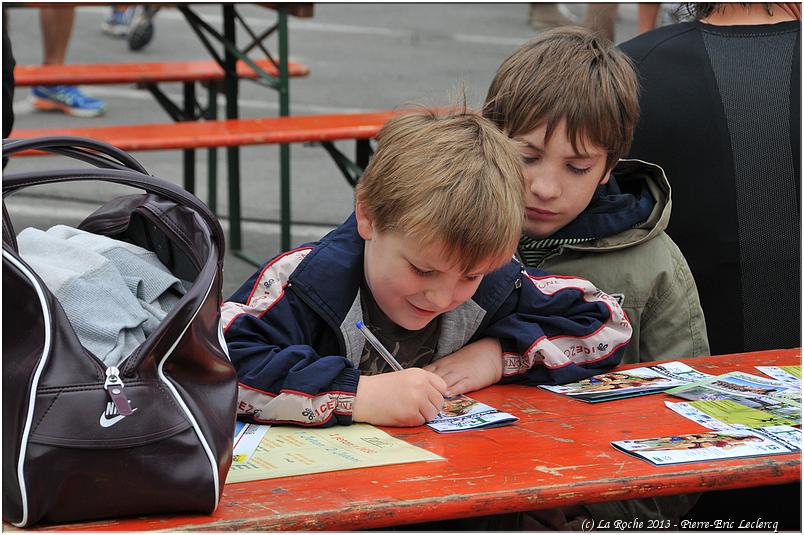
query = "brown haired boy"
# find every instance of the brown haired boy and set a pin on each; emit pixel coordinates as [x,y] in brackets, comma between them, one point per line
[571,100]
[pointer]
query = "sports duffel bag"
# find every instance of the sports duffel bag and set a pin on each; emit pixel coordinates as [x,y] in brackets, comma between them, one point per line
[151,435]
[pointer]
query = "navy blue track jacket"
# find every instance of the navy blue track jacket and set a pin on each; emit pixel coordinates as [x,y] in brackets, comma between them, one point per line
[291,330]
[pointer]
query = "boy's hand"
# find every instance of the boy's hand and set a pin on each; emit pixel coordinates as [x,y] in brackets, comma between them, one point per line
[406,398]
[471,368]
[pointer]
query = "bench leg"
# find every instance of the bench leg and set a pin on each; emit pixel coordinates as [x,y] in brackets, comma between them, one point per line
[284,110]
[363,152]
[189,154]
[232,153]
[212,152]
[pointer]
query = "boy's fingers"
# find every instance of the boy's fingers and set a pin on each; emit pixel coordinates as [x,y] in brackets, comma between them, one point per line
[460,387]
[438,383]
[430,411]
[437,400]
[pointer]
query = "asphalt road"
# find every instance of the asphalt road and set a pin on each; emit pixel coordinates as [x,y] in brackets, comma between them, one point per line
[362,57]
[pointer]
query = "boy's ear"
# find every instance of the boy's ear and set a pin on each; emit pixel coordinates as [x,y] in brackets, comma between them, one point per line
[365,223]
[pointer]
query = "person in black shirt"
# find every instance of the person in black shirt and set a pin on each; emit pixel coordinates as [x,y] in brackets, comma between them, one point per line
[721,114]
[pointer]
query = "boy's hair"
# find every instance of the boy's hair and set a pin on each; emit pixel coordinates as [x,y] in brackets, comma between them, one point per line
[451,179]
[568,73]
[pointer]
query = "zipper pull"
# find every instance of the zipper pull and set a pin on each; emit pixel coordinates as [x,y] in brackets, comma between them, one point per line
[114,386]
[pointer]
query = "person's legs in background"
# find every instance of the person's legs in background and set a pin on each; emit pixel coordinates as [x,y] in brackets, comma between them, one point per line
[600,19]
[543,15]
[141,27]
[8,84]
[117,23]
[57,26]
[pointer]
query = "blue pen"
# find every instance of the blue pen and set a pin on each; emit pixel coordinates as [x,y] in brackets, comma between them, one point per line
[389,358]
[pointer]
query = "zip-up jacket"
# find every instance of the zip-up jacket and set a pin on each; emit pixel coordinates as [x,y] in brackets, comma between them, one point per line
[291,330]
[633,259]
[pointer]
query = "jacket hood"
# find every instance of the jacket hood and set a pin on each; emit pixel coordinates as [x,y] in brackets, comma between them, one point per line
[631,208]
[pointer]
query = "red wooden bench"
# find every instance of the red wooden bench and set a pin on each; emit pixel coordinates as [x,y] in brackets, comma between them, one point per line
[140,73]
[149,75]
[322,129]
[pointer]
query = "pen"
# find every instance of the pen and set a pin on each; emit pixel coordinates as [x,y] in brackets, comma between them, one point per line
[389,358]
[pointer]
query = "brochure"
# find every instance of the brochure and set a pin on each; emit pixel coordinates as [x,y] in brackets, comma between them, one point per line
[629,383]
[287,451]
[740,383]
[712,412]
[790,375]
[247,439]
[709,445]
[461,413]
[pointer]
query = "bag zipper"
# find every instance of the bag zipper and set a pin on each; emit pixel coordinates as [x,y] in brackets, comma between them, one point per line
[114,387]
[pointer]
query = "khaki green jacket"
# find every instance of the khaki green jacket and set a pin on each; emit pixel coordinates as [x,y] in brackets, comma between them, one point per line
[645,270]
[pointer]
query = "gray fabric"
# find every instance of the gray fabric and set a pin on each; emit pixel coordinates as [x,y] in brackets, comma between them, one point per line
[114,293]
[457,327]
[757,99]
[352,337]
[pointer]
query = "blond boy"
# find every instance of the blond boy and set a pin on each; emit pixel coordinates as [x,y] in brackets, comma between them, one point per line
[426,263]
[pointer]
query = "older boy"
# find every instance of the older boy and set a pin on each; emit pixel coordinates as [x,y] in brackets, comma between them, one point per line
[426,263]
[571,100]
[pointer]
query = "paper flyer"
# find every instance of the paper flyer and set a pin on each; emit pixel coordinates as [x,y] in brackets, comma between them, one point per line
[738,383]
[728,412]
[710,445]
[291,451]
[247,439]
[790,375]
[462,413]
[629,383]
[776,405]
[688,411]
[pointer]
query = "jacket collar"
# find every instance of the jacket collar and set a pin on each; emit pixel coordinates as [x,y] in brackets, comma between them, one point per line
[640,215]
[331,273]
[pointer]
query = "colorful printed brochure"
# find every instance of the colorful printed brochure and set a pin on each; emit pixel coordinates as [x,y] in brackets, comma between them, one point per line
[629,383]
[773,398]
[739,383]
[709,445]
[247,439]
[723,413]
[461,413]
[287,451]
[789,375]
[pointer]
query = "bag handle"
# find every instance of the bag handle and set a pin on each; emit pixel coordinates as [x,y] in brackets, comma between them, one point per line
[117,173]
[75,147]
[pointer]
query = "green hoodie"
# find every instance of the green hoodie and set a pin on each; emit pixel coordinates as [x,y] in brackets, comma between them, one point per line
[641,267]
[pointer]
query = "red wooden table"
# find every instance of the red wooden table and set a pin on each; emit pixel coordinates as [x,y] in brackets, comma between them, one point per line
[558,453]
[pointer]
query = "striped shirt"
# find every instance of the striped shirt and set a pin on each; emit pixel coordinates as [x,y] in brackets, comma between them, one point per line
[533,251]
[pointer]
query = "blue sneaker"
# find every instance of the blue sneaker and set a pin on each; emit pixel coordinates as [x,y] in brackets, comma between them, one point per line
[117,23]
[68,99]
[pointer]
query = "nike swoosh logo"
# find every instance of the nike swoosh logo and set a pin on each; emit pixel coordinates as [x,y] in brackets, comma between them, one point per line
[109,422]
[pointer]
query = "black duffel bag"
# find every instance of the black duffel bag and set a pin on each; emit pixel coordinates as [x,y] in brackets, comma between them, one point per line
[153,435]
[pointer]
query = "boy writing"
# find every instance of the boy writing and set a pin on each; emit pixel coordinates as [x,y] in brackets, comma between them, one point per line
[571,100]
[426,263]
